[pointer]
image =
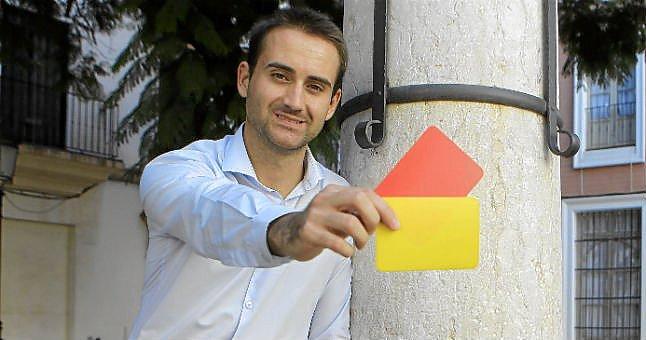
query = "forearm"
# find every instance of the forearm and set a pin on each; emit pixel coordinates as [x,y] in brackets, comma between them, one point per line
[283,232]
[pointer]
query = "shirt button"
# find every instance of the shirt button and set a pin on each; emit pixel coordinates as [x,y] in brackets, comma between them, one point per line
[248,304]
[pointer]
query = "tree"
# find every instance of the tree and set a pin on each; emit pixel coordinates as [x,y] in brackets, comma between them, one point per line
[602,38]
[186,52]
[85,19]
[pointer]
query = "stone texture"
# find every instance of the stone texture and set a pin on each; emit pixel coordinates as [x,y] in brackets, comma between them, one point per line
[516,290]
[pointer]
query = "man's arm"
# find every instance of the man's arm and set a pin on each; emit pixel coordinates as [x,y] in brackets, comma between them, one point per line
[184,198]
[239,226]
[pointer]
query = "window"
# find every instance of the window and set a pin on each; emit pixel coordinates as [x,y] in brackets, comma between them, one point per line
[32,98]
[602,267]
[609,120]
[610,116]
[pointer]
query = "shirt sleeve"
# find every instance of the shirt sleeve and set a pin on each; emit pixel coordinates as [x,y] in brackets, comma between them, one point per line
[187,199]
[331,319]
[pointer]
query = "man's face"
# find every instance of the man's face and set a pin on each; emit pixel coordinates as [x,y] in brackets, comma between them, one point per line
[289,96]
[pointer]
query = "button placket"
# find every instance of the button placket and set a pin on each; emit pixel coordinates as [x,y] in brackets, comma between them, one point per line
[251,292]
[247,304]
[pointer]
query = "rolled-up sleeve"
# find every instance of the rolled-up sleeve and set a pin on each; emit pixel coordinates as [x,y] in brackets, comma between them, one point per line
[186,198]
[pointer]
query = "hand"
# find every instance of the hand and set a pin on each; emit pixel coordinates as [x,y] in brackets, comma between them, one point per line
[334,214]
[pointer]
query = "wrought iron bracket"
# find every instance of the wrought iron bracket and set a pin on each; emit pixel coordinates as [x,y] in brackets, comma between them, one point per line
[370,134]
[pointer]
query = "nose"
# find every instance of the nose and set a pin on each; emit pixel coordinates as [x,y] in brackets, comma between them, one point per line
[293,98]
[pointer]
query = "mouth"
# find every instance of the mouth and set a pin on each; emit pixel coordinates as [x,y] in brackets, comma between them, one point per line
[288,119]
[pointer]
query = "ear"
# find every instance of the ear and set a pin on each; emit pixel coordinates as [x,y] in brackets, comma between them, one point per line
[243,79]
[334,102]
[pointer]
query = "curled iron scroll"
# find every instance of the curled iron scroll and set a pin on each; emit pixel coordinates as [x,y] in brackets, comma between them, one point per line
[554,129]
[369,134]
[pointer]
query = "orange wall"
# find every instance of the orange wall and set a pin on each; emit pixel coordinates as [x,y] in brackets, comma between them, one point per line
[593,181]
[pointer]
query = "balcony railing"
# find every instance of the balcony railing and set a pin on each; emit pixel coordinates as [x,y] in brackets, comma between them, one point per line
[46,115]
[611,126]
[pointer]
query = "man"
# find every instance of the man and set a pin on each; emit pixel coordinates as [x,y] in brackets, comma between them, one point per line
[248,233]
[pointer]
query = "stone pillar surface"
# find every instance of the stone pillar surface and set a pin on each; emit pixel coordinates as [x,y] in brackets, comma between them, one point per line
[515,292]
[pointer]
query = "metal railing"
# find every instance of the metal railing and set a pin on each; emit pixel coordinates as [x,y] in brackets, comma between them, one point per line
[90,131]
[610,126]
[40,114]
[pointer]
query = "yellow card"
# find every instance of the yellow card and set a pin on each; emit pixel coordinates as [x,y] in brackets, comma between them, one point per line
[435,233]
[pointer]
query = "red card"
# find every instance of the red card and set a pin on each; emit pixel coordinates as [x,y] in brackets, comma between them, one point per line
[434,166]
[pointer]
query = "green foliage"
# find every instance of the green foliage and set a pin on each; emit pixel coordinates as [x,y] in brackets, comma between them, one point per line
[206,35]
[187,52]
[84,20]
[602,38]
[184,55]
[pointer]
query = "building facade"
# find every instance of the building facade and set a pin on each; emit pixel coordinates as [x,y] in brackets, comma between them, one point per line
[73,241]
[603,190]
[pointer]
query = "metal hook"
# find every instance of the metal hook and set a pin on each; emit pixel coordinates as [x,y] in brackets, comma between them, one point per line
[554,129]
[364,133]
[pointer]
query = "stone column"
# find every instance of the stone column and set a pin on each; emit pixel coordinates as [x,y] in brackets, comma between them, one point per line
[515,292]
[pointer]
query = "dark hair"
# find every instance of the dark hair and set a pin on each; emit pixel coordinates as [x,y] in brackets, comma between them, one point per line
[306,20]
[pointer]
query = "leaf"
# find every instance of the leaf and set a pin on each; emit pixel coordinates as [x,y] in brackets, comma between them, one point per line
[139,71]
[147,110]
[134,50]
[172,12]
[168,49]
[192,77]
[602,38]
[236,110]
[206,35]
[326,145]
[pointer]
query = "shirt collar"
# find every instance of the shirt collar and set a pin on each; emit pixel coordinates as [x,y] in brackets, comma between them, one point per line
[236,159]
[312,171]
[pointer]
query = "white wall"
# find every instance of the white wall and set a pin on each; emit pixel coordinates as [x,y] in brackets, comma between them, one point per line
[35,280]
[106,257]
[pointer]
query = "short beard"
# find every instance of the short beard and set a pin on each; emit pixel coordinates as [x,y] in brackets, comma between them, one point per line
[261,132]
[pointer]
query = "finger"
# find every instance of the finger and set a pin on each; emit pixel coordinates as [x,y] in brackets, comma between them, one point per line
[352,199]
[357,202]
[386,213]
[336,243]
[349,225]
[342,235]
[364,208]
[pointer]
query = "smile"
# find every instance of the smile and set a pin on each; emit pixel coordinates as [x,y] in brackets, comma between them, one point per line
[288,119]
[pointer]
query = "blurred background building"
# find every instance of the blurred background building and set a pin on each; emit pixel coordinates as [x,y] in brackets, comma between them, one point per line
[604,195]
[73,241]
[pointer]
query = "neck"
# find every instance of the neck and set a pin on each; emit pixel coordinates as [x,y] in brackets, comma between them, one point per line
[280,170]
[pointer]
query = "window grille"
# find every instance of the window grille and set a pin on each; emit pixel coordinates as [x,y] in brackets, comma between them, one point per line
[32,99]
[36,106]
[607,274]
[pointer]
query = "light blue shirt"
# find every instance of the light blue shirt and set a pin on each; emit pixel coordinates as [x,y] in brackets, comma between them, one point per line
[209,273]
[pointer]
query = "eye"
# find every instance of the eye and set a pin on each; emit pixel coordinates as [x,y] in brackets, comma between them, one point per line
[316,88]
[279,76]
